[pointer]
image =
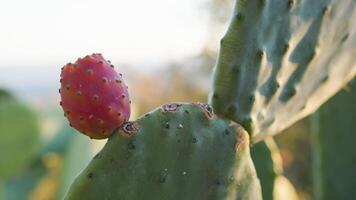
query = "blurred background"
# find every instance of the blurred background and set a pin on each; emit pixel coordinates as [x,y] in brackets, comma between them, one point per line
[165,49]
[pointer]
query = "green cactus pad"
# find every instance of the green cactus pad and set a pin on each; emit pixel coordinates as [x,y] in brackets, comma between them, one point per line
[5,95]
[76,158]
[54,168]
[269,168]
[280,60]
[178,151]
[334,136]
[19,133]
[266,158]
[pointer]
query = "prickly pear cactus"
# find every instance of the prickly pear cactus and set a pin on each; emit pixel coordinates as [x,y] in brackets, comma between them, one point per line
[269,168]
[280,60]
[19,134]
[5,95]
[178,151]
[2,191]
[53,169]
[78,155]
[334,137]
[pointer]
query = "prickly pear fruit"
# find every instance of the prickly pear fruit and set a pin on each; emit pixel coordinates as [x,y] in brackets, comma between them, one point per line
[94,97]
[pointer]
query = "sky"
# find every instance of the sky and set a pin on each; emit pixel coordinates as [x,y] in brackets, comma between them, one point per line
[38,37]
[40,33]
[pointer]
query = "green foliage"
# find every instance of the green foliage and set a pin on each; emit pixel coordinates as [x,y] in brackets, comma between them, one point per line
[55,167]
[277,61]
[268,163]
[19,134]
[5,95]
[22,185]
[2,192]
[334,139]
[76,158]
[178,151]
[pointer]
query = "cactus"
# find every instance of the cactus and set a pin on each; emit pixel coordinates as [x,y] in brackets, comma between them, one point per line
[275,66]
[5,95]
[268,162]
[19,134]
[334,147]
[25,183]
[94,97]
[44,180]
[268,166]
[178,151]
[78,155]
[277,61]
[2,192]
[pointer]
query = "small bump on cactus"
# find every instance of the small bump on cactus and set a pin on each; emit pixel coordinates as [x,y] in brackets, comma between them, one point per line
[178,151]
[279,61]
[94,96]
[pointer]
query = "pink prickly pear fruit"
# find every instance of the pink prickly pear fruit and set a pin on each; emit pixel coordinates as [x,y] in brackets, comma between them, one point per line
[94,97]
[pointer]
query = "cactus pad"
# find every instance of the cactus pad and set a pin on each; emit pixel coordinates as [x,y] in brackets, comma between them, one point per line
[20,135]
[334,136]
[178,151]
[280,60]
[269,168]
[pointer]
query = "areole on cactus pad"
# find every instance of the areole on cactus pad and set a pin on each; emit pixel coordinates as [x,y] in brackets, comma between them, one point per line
[176,152]
[94,97]
[278,62]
